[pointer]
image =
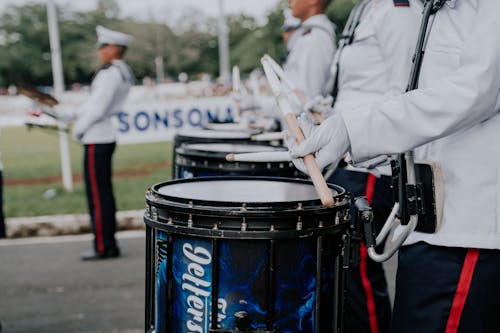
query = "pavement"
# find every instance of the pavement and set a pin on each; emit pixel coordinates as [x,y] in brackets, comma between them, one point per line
[45,288]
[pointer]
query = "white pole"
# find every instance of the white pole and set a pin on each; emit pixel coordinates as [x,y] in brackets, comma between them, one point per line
[223,45]
[57,74]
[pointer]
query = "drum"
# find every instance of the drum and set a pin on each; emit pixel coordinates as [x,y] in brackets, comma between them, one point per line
[243,254]
[209,136]
[209,159]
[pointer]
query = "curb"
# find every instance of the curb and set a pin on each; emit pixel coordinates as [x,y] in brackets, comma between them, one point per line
[72,224]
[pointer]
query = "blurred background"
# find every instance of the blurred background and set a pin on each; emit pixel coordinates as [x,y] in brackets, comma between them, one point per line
[174,55]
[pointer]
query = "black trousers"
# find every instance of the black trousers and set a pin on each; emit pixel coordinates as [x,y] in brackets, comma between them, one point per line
[367,307]
[2,218]
[446,290]
[100,198]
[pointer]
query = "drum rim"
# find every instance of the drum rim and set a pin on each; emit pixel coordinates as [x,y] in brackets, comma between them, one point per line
[235,134]
[233,208]
[184,150]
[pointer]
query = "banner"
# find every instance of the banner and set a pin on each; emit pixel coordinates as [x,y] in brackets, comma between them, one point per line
[159,120]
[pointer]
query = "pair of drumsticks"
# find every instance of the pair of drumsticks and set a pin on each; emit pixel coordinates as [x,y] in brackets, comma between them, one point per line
[277,78]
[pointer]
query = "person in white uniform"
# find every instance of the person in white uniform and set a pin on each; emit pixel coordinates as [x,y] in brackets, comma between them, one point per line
[373,60]
[447,281]
[311,53]
[94,129]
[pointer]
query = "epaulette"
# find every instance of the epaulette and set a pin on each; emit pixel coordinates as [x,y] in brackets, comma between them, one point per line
[401,3]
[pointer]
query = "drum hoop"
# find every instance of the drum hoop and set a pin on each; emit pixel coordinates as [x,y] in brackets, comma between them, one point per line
[176,229]
[219,135]
[244,209]
[184,150]
[217,163]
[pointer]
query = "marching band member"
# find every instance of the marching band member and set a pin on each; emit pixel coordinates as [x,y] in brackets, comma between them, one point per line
[93,128]
[447,281]
[311,52]
[373,60]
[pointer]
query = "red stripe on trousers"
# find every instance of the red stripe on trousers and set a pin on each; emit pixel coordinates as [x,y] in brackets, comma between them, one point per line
[95,198]
[363,266]
[463,287]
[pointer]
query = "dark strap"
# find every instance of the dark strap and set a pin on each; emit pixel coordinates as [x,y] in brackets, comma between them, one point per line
[430,8]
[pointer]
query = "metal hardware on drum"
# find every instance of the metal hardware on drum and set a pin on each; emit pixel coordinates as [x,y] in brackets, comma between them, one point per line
[256,262]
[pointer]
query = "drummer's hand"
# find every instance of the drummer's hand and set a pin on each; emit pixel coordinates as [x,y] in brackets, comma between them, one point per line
[328,142]
[77,132]
[321,105]
[62,114]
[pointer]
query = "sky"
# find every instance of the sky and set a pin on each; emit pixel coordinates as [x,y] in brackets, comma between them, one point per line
[164,10]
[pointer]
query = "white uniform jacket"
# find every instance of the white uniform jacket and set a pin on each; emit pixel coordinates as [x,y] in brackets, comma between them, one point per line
[452,119]
[378,61]
[109,90]
[308,63]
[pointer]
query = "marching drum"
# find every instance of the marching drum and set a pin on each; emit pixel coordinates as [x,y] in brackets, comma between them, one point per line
[209,136]
[244,254]
[201,160]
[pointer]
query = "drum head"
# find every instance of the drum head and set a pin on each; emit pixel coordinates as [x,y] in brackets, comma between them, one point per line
[243,191]
[209,134]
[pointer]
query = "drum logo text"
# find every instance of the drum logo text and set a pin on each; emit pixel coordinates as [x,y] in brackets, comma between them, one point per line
[196,281]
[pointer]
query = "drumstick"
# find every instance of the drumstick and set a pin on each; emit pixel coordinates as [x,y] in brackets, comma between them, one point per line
[237,90]
[268,156]
[300,95]
[273,136]
[312,167]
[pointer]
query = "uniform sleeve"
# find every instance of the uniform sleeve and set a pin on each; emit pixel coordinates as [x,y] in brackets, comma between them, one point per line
[451,103]
[94,109]
[310,72]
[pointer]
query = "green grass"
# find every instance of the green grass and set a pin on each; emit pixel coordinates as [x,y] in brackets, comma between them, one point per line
[31,155]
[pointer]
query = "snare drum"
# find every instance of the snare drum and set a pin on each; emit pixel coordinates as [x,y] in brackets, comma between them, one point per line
[209,159]
[208,136]
[243,254]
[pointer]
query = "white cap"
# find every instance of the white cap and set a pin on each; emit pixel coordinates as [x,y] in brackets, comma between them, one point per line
[107,36]
[291,22]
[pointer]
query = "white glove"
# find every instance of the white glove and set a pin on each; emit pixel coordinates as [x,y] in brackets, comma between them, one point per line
[320,104]
[64,114]
[329,142]
[77,132]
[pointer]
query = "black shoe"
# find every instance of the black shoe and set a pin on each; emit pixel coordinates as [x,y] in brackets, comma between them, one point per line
[93,255]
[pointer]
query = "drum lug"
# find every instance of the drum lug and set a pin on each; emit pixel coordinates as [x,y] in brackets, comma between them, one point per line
[190,221]
[154,213]
[299,223]
[244,225]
